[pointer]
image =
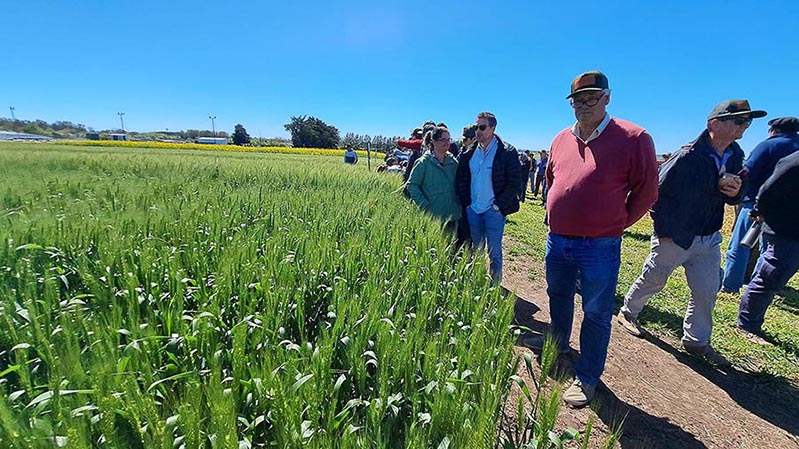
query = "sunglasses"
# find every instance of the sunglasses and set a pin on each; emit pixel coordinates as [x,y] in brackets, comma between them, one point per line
[589,102]
[739,120]
[444,139]
[481,127]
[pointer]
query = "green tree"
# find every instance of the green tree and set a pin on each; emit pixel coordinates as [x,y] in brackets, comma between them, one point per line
[310,132]
[240,136]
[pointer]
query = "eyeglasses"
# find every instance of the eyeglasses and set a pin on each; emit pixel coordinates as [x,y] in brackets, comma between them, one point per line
[481,127]
[738,120]
[589,102]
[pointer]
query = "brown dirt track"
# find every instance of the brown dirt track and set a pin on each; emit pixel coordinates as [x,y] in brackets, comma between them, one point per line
[666,398]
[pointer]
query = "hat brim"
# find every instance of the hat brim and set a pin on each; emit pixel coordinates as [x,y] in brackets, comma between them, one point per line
[585,89]
[753,114]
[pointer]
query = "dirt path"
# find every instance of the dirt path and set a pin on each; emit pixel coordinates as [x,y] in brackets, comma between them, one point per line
[670,399]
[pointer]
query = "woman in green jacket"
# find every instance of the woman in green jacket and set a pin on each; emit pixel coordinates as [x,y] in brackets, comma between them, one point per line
[432,181]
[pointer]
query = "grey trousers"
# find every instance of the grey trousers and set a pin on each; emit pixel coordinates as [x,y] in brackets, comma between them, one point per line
[702,263]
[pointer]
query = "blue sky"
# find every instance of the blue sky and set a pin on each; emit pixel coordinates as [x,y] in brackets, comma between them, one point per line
[383,68]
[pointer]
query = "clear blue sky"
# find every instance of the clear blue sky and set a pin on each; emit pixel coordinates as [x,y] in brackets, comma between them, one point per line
[376,68]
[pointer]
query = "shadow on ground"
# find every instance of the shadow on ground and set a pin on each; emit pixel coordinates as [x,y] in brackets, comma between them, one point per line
[788,300]
[771,398]
[640,429]
[640,236]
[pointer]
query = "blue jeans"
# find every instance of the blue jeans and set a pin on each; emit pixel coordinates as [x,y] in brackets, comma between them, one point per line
[488,227]
[737,254]
[597,261]
[778,263]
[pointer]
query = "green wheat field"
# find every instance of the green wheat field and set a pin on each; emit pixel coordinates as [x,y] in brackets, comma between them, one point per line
[156,298]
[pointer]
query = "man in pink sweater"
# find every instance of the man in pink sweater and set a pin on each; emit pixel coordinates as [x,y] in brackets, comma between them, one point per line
[602,178]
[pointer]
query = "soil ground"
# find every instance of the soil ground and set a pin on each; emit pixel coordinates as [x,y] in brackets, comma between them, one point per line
[659,395]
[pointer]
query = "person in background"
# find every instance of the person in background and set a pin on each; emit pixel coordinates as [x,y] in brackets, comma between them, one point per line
[540,177]
[468,138]
[488,184]
[416,147]
[350,156]
[533,168]
[602,178]
[432,180]
[524,161]
[776,209]
[694,186]
[782,141]
[464,232]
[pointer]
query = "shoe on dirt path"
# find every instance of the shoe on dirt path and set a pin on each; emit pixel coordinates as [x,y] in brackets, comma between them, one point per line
[630,324]
[578,394]
[708,353]
[536,343]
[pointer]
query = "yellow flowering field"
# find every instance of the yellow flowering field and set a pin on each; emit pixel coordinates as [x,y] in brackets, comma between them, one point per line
[198,146]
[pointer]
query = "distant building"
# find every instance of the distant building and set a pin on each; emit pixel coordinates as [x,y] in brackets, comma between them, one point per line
[93,136]
[118,137]
[10,135]
[213,140]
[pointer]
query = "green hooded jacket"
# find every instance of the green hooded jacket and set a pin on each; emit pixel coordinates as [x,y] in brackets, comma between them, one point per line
[432,186]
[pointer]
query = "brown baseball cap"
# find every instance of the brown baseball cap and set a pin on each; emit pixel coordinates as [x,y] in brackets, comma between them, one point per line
[593,80]
[734,108]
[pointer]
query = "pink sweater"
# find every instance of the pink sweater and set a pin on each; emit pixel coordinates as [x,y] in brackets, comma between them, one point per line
[600,188]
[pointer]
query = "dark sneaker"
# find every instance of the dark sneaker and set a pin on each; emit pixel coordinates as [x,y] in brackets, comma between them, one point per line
[708,353]
[630,324]
[727,290]
[578,394]
[753,337]
[536,343]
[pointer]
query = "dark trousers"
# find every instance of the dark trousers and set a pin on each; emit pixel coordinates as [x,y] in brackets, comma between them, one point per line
[525,178]
[464,233]
[539,178]
[778,263]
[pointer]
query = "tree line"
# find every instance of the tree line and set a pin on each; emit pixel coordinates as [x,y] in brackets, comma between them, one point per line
[306,132]
[311,132]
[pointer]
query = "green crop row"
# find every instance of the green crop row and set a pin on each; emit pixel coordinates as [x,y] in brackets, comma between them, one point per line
[163,299]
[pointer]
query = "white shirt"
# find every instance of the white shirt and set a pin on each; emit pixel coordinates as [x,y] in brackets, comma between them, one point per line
[597,132]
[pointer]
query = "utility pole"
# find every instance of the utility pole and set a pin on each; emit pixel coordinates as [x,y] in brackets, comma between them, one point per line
[121,120]
[213,125]
[12,108]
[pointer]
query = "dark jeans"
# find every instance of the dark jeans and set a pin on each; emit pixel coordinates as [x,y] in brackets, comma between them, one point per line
[778,263]
[539,178]
[464,234]
[596,261]
[525,178]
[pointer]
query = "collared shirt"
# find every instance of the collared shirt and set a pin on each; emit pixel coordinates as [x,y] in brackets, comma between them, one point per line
[542,165]
[482,187]
[597,132]
[721,161]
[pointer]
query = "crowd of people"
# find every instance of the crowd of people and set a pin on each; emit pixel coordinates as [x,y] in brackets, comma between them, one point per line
[600,176]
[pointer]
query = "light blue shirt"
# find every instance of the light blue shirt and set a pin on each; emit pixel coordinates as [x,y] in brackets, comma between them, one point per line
[482,187]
